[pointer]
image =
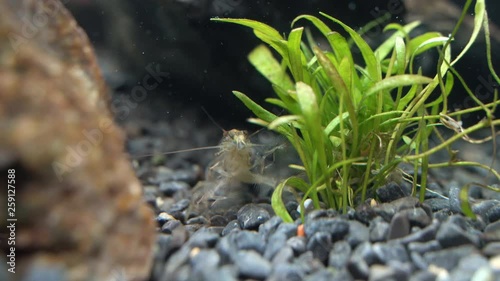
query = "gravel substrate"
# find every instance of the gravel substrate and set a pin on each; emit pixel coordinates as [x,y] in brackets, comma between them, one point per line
[236,236]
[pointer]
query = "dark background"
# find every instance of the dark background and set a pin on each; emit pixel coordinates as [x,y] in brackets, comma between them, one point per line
[207,60]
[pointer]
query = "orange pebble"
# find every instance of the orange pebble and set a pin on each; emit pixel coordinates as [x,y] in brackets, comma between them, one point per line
[300,231]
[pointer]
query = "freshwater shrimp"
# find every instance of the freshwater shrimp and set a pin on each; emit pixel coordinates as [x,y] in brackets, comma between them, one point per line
[237,165]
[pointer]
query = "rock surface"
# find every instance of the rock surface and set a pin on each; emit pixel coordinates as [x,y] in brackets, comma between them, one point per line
[80,214]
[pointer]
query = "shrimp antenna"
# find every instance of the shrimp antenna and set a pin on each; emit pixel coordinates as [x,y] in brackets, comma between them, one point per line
[177,151]
[212,119]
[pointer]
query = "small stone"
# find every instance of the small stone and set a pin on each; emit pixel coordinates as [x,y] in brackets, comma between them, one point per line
[218,220]
[197,220]
[379,230]
[284,255]
[252,265]
[339,255]
[320,244]
[399,227]
[424,247]
[418,261]
[204,261]
[307,263]
[448,258]
[467,266]
[288,229]
[297,244]
[491,249]
[321,275]
[451,235]
[386,252]
[423,276]
[249,240]
[177,209]
[251,216]
[169,226]
[358,233]
[484,207]
[438,204]
[163,217]
[276,242]
[383,273]
[422,235]
[391,192]
[171,187]
[203,238]
[286,272]
[231,226]
[454,195]
[268,228]
[358,268]
[335,227]
[364,251]
[417,217]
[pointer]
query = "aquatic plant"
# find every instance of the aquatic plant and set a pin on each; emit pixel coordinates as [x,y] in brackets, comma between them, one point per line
[352,124]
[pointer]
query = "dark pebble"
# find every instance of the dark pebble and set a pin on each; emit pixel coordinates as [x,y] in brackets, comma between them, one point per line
[307,263]
[204,262]
[268,228]
[448,258]
[231,226]
[288,229]
[171,187]
[493,214]
[491,249]
[364,251]
[162,218]
[358,233]
[391,251]
[423,276]
[251,216]
[399,227]
[385,273]
[451,235]
[320,244]
[284,255]
[249,240]
[335,227]
[275,242]
[218,220]
[454,195]
[467,266]
[297,244]
[392,191]
[418,217]
[426,234]
[358,268]
[418,261]
[424,247]
[252,265]
[197,220]
[203,238]
[286,272]
[169,226]
[339,255]
[379,230]
[177,208]
[492,232]
[437,204]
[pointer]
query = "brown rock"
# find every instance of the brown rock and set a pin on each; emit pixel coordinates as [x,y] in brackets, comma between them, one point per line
[78,203]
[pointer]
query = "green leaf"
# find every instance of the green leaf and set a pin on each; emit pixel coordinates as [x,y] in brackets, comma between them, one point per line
[263,60]
[398,81]
[295,55]
[287,119]
[372,64]
[263,31]
[277,203]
